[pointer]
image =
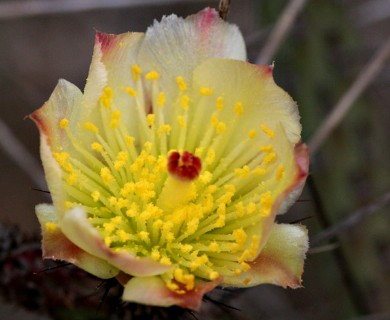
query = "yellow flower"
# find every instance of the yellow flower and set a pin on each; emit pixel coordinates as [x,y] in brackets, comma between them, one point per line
[169,170]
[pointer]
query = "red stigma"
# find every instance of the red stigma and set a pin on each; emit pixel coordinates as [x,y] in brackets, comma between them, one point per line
[184,166]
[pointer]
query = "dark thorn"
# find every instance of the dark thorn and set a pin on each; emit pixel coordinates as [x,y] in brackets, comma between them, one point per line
[219,303]
[192,314]
[40,190]
[53,268]
[300,220]
[304,200]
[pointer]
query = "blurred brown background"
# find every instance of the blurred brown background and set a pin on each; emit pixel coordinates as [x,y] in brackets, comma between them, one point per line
[328,45]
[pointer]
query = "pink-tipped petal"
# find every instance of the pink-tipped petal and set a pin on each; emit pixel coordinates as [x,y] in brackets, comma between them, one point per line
[302,170]
[281,260]
[77,229]
[56,246]
[153,291]
[63,103]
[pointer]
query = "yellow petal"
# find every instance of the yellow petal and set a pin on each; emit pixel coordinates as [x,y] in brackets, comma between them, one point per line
[281,260]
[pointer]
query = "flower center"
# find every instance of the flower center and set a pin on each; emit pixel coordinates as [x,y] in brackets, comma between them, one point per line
[184,166]
[204,216]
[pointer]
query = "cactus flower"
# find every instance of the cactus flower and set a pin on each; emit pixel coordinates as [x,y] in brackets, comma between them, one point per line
[168,171]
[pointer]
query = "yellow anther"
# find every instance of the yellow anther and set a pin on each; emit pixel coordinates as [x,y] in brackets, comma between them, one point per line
[221,127]
[246,281]
[115,117]
[186,248]
[106,97]
[214,247]
[91,127]
[95,195]
[136,71]
[105,173]
[152,75]
[155,254]
[205,177]
[113,201]
[64,123]
[72,178]
[123,236]
[97,147]
[210,157]
[251,207]
[50,227]
[150,119]
[205,91]
[185,102]
[214,120]
[107,241]
[219,103]
[122,203]
[213,275]
[181,83]
[129,141]
[279,173]
[107,91]
[267,148]
[240,209]
[61,157]
[131,213]
[109,227]
[266,203]
[166,261]
[245,266]
[68,204]
[267,131]
[127,189]
[182,121]
[144,236]
[242,172]
[164,129]
[240,237]
[117,219]
[131,91]
[192,226]
[269,158]
[161,99]
[259,171]
[199,151]
[252,134]
[238,108]
[198,262]
[237,272]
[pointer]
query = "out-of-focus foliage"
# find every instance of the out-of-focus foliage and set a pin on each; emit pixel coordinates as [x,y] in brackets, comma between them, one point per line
[323,55]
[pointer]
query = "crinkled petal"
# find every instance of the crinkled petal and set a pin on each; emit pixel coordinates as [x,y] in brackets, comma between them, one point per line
[77,229]
[153,291]
[281,260]
[175,46]
[56,246]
